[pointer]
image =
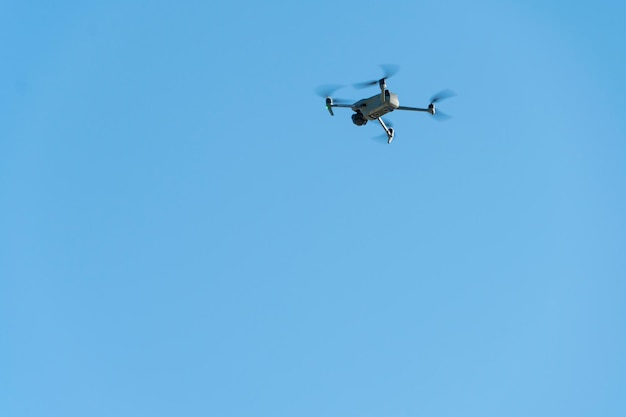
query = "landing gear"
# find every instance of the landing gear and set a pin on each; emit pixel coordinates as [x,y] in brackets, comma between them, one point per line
[388,130]
[360,120]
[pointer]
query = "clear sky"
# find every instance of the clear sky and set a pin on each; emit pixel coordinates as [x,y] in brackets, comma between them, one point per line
[185,231]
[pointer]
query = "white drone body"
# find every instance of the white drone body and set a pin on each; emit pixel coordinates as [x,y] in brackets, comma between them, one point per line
[375,107]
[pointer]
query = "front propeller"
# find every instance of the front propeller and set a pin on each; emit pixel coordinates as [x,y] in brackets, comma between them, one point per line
[326,91]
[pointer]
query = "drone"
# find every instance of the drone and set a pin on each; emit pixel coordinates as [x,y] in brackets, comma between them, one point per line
[375,107]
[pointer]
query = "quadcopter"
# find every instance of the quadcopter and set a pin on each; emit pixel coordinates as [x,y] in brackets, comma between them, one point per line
[375,107]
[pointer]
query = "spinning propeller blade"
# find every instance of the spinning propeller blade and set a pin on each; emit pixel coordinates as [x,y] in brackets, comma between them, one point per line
[389,70]
[441,116]
[327,90]
[442,95]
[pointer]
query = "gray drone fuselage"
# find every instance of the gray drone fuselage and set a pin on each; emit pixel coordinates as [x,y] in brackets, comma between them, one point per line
[374,107]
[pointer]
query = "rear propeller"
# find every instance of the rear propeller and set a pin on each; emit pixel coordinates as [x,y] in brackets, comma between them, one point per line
[440,96]
[389,70]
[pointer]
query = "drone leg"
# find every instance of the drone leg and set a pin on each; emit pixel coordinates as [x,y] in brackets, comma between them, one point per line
[388,130]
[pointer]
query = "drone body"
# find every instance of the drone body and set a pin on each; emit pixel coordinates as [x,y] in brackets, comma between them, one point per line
[377,106]
[373,108]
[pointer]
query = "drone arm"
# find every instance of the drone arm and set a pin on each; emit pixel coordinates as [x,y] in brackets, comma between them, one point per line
[330,104]
[414,109]
[329,107]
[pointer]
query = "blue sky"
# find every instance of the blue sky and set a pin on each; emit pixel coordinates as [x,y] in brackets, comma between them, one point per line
[186,231]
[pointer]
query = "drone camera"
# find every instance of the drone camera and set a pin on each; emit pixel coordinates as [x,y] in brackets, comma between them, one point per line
[358,119]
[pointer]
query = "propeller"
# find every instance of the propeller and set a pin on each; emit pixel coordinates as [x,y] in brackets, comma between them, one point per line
[441,116]
[342,101]
[389,70]
[442,95]
[327,90]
